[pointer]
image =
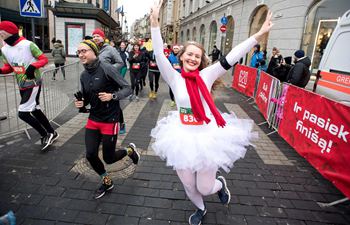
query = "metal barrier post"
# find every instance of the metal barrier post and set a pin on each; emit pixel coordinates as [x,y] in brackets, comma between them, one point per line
[325,205]
[55,98]
[318,76]
[78,77]
[14,124]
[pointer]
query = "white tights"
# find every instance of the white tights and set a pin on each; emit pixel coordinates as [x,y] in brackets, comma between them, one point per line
[199,184]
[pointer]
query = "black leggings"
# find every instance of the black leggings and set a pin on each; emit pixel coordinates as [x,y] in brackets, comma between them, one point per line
[155,75]
[121,117]
[136,81]
[93,138]
[171,94]
[62,69]
[143,76]
[38,121]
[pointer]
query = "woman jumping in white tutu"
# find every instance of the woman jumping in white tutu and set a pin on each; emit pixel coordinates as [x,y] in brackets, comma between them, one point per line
[196,140]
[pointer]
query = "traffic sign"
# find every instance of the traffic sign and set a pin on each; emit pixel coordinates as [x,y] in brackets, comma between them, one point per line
[223,28]
[31,8]
[224,20]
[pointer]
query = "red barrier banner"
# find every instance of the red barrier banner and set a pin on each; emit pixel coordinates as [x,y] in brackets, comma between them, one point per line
[318,129]
[244,78]
[263,93]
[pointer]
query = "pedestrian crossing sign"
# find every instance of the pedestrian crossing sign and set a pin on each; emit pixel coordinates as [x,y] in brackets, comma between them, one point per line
[31,8]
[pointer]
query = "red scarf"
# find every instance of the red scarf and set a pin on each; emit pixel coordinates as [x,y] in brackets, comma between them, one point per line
[194,84]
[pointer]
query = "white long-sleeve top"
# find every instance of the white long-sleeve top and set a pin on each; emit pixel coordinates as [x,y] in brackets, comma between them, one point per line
[208,74]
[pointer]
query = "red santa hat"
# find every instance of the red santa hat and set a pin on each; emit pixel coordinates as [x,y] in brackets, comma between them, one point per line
[9,27]
[99,32]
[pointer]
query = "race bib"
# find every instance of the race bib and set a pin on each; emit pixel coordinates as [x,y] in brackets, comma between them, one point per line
[19,69]
[176,66]
[187,118]
[152,64]
[135,66]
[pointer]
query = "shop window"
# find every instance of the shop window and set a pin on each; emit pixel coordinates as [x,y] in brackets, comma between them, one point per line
[321,20]
[227,40]
[212,35]
[194,34]
[257,19]
[202,34]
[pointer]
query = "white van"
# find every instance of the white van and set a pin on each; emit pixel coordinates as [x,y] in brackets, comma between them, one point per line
[334,68]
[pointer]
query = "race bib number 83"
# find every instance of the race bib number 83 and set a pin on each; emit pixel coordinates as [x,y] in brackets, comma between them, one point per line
[187,118]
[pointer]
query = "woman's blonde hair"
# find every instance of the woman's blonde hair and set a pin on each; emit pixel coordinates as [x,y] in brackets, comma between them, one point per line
[204,60]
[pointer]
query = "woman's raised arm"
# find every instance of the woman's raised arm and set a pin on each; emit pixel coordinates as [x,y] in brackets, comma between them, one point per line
[214,71]
[165,68]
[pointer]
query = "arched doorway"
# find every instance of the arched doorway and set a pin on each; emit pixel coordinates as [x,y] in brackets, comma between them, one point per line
[321,20]
[257,20]
[226,45]
[213,30]
[202,35]
[194,34]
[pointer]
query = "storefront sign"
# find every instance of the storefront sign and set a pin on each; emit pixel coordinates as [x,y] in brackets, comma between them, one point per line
[319,130]
[106,5]
[263,93]
[244,78]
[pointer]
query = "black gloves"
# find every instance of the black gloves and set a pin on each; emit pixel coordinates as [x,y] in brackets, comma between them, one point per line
[79,96]
[30,72]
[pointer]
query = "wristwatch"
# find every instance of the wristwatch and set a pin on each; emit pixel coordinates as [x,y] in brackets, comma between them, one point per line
[114,96]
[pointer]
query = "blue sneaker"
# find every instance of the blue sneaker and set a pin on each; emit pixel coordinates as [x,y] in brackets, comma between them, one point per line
[11,218]
[224,194]
[122,128]
[8,218]
[197,216]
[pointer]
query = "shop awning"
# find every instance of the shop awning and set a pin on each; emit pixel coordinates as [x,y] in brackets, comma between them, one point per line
[83,11]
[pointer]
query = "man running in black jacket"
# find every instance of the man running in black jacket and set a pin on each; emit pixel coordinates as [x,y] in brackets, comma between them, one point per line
[102,87]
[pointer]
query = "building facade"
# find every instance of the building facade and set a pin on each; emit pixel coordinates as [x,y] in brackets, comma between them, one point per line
[141,28]
[71,20]
[66,20]
[169,20]
[298,24]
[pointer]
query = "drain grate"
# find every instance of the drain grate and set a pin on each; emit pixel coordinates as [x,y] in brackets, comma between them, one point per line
[119,170]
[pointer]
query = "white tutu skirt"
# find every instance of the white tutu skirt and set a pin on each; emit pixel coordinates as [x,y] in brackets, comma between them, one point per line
[196,147]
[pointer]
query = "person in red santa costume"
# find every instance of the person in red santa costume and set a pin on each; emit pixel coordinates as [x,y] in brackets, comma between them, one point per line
[24,58]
